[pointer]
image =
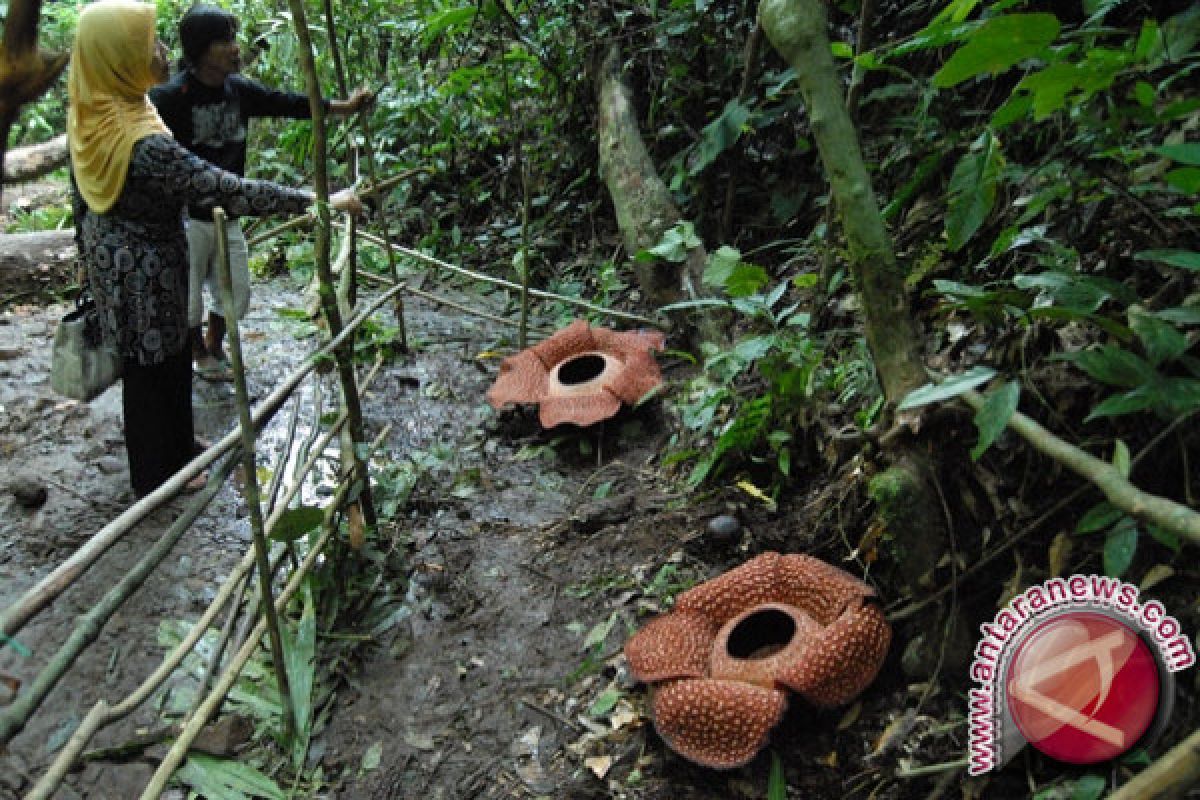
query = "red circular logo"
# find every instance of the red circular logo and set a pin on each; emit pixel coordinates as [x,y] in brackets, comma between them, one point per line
[1083,688]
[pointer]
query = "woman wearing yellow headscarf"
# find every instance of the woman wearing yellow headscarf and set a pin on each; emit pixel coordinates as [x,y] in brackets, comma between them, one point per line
[133,182]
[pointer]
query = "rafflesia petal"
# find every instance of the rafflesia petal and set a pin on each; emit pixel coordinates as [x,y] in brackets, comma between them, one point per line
[719,724]
[574,339]
[522,379]
[671,646]
[822,590]
[581,409]
[728,595]
[845,659]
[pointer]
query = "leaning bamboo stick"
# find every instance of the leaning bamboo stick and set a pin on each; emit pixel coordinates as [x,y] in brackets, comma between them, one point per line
[479,276]
[51,586]
[201,716]
[250,475]
[191,728]
[343,356]
[17,714]
[1171,775]
[101,715]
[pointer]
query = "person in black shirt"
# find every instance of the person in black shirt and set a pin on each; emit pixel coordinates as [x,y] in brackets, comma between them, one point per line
[207,106]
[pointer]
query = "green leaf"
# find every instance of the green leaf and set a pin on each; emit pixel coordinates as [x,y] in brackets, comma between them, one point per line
[1144,94]
[599,632]
[220,779]
[718,136]
[674,245]
[1184,179]
[1165,537]
[998,45]
[1163,342]
[746,279]
[300,656]
[951,387]
[776,782]
[992,419]
[1119,547]
[1139,399]
[1183,153]
[1089,787]
[973,190]
[436,24]
[296,522]
[605,702]
[1186,259]
[1099,517]
[1120,458]
[372,757]
[720,266]
[1112,365]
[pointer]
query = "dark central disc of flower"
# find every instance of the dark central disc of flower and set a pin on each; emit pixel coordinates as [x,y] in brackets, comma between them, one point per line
[761,634]
[581,369]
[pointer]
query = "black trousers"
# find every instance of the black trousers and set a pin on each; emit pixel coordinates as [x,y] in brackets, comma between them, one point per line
[157,403]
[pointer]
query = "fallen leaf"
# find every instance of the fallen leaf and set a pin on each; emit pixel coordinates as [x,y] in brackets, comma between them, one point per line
[830,760]
[599,765]
[370,759]
[1060,553]
[1156,575]
[850,717]
[419,741]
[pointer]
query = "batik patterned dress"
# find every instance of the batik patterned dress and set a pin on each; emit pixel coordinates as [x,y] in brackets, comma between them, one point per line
[136,252]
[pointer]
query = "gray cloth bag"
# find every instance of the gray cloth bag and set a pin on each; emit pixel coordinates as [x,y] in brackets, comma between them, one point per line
[82,366]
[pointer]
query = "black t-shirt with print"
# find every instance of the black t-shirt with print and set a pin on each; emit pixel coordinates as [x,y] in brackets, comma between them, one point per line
[211,121]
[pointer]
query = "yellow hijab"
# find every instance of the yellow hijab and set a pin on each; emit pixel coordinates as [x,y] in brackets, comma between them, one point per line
[109,111]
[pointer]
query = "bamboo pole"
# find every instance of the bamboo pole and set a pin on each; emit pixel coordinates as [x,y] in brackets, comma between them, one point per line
[250,476]
[442,301]
[479,276]
[101,715]
[51,586]
[1170,776]
[87,630]
[191,728]
[343,355]
[364,121]
[201,716]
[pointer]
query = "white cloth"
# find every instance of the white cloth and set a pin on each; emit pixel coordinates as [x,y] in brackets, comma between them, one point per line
[202,256]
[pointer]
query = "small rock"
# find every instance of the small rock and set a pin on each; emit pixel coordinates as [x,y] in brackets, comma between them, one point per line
[28,491]
[110,465]
[224,737]
[725,526]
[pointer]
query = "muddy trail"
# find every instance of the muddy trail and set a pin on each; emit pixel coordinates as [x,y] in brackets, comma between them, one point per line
[513,565]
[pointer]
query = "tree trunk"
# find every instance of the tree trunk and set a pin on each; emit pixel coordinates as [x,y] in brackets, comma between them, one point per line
[906,500]
[25,71]
[645,210]
[35,160]
[797,29]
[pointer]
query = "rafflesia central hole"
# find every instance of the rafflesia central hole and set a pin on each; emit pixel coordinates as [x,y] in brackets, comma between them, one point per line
[581,369]
[761,634]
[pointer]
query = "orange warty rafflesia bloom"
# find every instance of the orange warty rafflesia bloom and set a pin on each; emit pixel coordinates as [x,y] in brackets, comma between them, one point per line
[580,374]
[725,658]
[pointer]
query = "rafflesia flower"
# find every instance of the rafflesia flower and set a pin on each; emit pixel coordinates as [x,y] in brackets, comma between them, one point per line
[725,658]
[580,374]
